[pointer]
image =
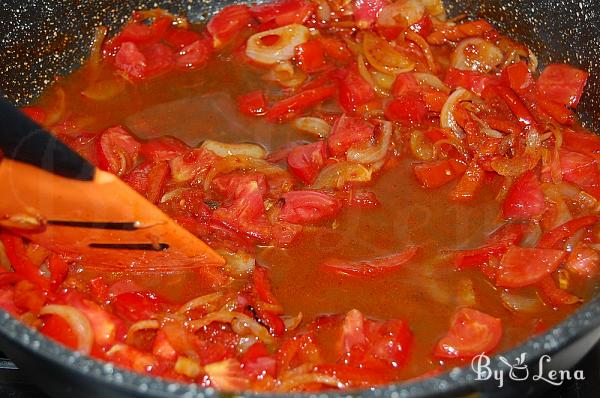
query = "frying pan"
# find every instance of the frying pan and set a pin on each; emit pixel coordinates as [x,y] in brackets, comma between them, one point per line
[40,39]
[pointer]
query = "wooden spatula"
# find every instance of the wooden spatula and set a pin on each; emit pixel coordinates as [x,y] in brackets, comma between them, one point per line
[54,197]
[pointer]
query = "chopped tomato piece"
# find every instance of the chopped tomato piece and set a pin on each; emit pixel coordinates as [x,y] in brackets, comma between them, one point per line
[257,361]
[310,56]
[373,267]
[157,178]
[307,207]
[28,296]
[354,90]
[136,306]
[516,105]
[35,113]
[525,199]
[367,11]
[440,172]
[335,48]
[470,182]
[227,23]
[298,103]
[579,169]
[58,268]
[348,131]
[131,60]
[471,333]
[117,150]
[160,58]
[405,83]
[556,111]
[180,38]
[553,295]
[562,83]
[407,109]
[518,77]
[527,266]
[283,12]
[252,103]
[58,329]
[582,142]
[552,238]
[194,55]
[306,161]
[423,27]
[163,148]
[473,81]
[262,285]
[583,261]
[21,263]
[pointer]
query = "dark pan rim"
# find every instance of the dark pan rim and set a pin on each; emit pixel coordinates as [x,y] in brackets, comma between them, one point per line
[456,381]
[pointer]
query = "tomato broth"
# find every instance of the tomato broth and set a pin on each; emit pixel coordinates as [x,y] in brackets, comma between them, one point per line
[396,263]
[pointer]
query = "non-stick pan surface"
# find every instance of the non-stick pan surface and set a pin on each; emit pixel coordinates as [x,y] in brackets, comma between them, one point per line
[40,39]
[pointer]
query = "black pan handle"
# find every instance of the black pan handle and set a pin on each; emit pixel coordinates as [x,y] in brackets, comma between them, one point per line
[24,140]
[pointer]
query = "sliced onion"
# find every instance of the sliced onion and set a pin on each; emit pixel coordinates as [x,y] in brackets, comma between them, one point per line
[519,302]
[553,193]
[146,324]
[401,13]
[23,222]
[383,80]
[285,74]
[241,162]
[366,75]
[420,147]
[222,149]
[227,375]
[447,119]
[432,80]
[383,57]
[288,37]
[96,49]
[105,89]
[208,300]
[173,194]
[58,108]
[376,152]
[230,317]
[476,54]
[78,323]
[293,322]
[238,264]
[296,381]
[425,48]
[312,125]
[187,367]
[323,10]
[466,293]
[532,235]
[518,165]
[435,8]
[336,175]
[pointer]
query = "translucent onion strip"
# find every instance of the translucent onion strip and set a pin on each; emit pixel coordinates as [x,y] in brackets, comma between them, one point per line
[312,125]
[292,323]
[401,13]
[208,300]
[187,367]
[366,75]
[146,324]
[420,147]
[222,149]
[373,153]
[299,380]
[338,174]
[230,317]
[241,162]
[78,323]
[447,119]
[518,302]
[476,54]
[383,57]
[286,39]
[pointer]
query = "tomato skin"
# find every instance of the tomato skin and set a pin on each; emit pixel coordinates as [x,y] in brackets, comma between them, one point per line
[553,295]
[21,263]
[228,184]
[58,268]
[335,48]
[371,268]
[470,182]
[366,11]
[525,199]
[423,27]
[179,38]
[471,333]
[262,285]
[252,103]
[583,261]
[307,207]
[521,267]
[160,58]
[227,23]
[438,173]
[579,169]
[552,238]
[310,56]
[472,81]
[296,104]
[407,109]
[348,131]
[163,148]
[516,105]
[562,83]
[354,91]
[306,161]
[117,150]
[556,111]
[582,142]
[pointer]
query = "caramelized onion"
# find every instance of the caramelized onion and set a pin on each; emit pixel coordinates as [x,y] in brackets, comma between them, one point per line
[519,302]
[287,38]
[78,323]
[336,175]
[285,74]
[383,57]
[375,152]
[312,125]
[447,119]
[222,149]
[420,147]
[476,54]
